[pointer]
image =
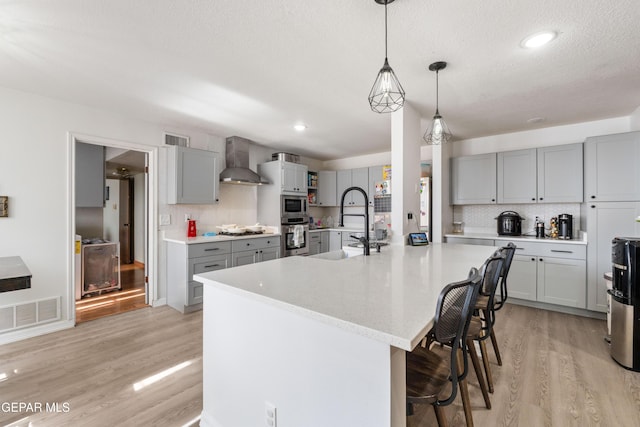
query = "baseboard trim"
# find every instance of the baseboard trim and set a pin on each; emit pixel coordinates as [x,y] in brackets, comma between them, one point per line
[159,302]
[559,308]
[25,333]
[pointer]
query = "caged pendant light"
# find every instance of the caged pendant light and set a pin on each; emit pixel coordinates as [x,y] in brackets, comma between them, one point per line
[386,95]
[438,132]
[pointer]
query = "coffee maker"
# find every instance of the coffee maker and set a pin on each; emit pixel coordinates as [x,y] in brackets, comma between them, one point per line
[565,226]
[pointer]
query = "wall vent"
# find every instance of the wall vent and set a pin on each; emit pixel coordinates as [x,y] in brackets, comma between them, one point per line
[30,313]
[173,139]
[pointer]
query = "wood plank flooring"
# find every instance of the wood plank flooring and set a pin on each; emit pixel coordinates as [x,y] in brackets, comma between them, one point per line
[557,372]
[93,368]
[130,297]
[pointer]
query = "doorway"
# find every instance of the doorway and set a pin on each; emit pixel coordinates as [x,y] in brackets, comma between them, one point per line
[123,222]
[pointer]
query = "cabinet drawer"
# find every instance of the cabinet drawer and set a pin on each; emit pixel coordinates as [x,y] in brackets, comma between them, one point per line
[315,237]
[471,241]
[250,244]
[194,293]
[556,250]
[212,263]
[208,249]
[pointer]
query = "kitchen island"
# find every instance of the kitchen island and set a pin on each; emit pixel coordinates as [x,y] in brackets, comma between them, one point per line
[322,340]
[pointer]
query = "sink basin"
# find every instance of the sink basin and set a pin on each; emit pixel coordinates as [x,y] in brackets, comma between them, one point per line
[372,245]
[337,255]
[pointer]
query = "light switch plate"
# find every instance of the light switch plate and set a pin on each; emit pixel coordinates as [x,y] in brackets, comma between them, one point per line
[4,206]
[165,219]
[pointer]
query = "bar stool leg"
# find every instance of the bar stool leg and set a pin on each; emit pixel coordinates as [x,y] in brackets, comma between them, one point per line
[494,341]
[485,362]
[479,374]
[464,391]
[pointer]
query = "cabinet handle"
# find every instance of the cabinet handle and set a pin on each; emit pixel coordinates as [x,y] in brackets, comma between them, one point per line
[248,244]
[493,200]
[541,198]
[212,265]
[564,252]
[211,249]
[541,259]
[533,259]
[519,249]
[593,206]
[533,199]
[593,197]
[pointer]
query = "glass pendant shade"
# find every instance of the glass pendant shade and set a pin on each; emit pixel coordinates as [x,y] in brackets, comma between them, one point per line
[438,131]
[386,95]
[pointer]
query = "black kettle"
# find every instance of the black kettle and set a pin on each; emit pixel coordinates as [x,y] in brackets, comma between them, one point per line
[509,224]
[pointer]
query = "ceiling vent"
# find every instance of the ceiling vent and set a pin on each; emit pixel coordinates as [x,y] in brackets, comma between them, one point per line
[173,139]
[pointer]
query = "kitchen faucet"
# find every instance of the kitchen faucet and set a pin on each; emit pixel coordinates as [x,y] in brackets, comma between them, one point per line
[364,240]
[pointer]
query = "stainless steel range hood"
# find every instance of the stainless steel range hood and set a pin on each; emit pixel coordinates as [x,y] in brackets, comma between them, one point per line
[237,157]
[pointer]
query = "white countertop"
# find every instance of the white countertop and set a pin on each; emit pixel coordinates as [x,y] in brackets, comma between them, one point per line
[178,237]
[472,235]
[389,296]
[12,267]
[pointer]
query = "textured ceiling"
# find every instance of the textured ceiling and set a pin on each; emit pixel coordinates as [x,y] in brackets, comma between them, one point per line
[255,67]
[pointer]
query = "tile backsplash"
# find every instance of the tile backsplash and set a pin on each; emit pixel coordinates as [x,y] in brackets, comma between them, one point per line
[482,218]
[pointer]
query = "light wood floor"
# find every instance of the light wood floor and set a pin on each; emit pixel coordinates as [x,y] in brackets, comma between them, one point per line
[130,297]
[557,372]
[93,367]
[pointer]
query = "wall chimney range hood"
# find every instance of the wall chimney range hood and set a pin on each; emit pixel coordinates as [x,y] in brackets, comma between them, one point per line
[237,157]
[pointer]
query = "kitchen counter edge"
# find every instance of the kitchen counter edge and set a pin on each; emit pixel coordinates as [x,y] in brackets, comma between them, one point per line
[518,238]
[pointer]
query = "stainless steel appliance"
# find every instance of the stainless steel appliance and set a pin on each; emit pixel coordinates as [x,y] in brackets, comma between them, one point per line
[625,302]
[509,224]
[293,207]
[295,236]
[565,226]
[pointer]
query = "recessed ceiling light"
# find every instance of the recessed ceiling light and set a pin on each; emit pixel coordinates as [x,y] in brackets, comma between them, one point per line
[539,39]
[300,127]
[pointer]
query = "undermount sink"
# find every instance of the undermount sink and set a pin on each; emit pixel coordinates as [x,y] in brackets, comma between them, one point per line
[372,245]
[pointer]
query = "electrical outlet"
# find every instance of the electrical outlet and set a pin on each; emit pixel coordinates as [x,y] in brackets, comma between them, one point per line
[271,419]
[187,217]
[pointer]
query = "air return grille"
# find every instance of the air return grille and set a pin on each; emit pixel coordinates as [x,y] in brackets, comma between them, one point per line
[29,313]
[173,139]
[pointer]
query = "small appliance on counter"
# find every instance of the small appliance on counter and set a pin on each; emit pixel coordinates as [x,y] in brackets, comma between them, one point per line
[565,226]
[191,228]
[509,224]
[539,228]
[625,302]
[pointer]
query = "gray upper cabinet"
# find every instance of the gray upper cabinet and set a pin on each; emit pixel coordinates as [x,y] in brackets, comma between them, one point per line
[375,175]
[473,179]
[544,175]
[327,188]
[611,168]
[90,175]
[192,176]
[294,178]
[517,176]
[352,178]
[560,174]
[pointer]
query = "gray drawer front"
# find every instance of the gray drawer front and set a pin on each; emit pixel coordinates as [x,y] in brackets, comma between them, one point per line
[204,264]
[209,249]
[547,249]
[250,244]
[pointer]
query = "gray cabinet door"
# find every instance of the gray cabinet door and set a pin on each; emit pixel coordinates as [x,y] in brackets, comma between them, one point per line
[267,254]
[562,281]
[90,178]
[294,178]
[473,179]
[560,174]
[244,257]
[604,222]
[522,279]
[335,240]
[344,182]
[517,176]
[611,168]
[324,241]
[327,188]
[193,176]
[375,175]
[359,178]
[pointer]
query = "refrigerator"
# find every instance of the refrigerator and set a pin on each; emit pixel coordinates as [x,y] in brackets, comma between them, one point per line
[425,205]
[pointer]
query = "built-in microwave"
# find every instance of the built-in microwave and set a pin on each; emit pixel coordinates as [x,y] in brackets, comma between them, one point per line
[293,206]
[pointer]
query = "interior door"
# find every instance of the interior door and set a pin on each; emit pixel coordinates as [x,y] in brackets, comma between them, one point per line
[126,221]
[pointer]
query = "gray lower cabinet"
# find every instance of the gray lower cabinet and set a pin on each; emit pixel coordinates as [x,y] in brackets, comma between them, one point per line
[315,242]
[250,251]
[470,241]
[335,240]
[183,261]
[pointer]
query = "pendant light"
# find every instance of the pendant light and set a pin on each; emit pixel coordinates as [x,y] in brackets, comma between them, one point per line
[438,132]
[386,95]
